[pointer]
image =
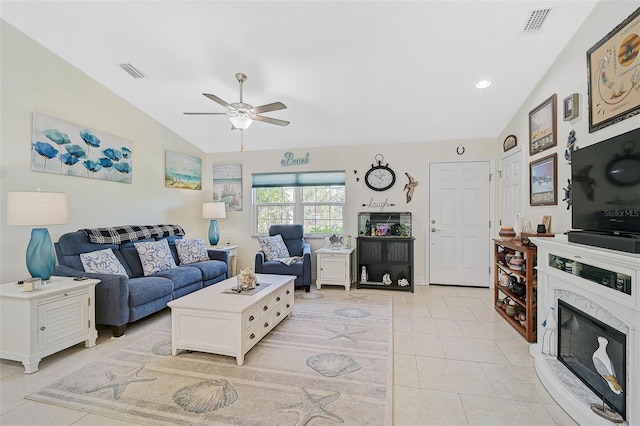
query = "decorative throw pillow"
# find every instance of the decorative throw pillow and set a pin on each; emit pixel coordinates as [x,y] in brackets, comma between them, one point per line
[273,247]
[191,251]
[102,262]
[155,257]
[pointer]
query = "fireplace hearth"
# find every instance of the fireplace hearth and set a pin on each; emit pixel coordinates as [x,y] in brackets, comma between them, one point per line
[585,310]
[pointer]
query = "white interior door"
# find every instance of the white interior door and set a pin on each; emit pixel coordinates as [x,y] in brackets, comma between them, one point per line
[459,228]
[511,188]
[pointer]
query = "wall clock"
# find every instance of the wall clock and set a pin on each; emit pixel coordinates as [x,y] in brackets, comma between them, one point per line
[380,178]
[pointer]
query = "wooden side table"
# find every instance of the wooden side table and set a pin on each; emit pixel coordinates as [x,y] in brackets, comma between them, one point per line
[334,267]
[42,322]
[233,257]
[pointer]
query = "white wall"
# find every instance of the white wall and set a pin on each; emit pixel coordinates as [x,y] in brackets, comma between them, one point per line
[411,158]
[569,75]
[35,80]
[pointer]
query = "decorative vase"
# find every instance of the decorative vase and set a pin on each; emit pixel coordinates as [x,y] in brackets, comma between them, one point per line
[516,261]
[507,233]
[511,310]
[41,259]
[518,224]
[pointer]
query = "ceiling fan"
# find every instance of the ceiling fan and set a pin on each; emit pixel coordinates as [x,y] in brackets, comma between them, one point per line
[242,114]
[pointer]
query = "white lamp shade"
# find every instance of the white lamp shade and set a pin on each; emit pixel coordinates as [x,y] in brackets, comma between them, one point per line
[214,211]
[37,208]
[241,122]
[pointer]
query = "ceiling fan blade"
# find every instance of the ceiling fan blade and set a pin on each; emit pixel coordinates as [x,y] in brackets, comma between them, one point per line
[205,113]
[217,99]
[269,107]
[271,120]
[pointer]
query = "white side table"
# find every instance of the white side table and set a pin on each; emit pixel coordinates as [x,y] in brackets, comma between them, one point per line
[39,323]
[334,267]
[233,257]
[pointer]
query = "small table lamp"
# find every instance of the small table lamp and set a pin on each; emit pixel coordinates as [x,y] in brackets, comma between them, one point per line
[38,209]
[214,211]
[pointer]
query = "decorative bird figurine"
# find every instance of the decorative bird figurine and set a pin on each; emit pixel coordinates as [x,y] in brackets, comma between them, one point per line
[409,187]
[604,366]
[550,326]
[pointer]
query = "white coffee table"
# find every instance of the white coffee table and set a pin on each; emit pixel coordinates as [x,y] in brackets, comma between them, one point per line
[215,321]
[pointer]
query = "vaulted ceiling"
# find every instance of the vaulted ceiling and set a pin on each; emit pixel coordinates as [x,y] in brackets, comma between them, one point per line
[350,72]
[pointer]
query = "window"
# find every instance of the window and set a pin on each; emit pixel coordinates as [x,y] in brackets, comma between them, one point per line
[314,199]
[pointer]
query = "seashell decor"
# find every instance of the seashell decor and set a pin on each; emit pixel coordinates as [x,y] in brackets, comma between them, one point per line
[205,397]
[247,279]
[333,365]
[352,313]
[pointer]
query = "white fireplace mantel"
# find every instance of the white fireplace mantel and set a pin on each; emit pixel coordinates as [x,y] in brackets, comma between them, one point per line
[615,308]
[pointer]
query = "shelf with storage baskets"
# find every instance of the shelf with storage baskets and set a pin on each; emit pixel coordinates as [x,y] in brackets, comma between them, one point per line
[515,285]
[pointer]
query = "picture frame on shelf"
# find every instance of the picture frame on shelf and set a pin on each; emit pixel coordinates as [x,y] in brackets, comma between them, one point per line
[543,181]
[542,126]
[337,241]
[570,107]
[546,221]
[614,58]
[510,142]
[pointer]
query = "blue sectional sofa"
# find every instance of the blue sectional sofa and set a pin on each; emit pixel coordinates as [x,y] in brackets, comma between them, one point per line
[122,299]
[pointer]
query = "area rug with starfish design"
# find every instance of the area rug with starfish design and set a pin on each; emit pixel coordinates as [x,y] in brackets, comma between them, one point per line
[329,363]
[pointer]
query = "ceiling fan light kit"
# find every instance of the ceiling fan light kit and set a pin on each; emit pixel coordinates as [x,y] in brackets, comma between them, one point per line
[242,114]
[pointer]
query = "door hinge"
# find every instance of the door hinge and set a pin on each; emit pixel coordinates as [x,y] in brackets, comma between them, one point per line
[490,174]
[489,223]
[500,174]
[500,222]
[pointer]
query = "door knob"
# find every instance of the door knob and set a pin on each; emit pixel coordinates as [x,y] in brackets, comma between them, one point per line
[435,230]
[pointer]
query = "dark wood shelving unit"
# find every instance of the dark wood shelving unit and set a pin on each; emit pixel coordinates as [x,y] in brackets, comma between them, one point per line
[526,276]
[382,255]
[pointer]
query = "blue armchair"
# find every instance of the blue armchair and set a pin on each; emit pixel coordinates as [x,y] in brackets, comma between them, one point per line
[293,237]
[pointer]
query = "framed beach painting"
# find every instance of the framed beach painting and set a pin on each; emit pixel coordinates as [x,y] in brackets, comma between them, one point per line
[227,185]
[64,148]
[182,171]
[543,179]
[542,126]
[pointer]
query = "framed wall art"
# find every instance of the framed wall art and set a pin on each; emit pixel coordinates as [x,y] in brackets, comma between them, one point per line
[543,177]
[227,185]
[613,67]
[542,126]
[182,171]
[65,148]
[509,142]
[570,107]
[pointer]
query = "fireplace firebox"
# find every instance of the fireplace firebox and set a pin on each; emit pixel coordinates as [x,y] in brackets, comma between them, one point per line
[578,334]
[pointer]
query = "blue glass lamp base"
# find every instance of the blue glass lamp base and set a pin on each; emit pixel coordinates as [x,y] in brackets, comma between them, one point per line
[214,232]
[41,259]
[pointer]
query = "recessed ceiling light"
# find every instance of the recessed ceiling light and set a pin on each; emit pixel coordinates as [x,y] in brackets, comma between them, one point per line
[483,84]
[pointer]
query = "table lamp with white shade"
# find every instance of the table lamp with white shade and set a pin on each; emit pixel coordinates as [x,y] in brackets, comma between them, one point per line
[38,209]
[213,211]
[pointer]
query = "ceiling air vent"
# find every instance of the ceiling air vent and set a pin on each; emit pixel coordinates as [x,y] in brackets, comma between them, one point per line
[535,20]
[133,71]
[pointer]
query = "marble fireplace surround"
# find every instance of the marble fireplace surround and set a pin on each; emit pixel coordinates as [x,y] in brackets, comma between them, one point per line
[618,310]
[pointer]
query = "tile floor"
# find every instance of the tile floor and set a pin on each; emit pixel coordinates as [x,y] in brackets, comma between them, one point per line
[456,362]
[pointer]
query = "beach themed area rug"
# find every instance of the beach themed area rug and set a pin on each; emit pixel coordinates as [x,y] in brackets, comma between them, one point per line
[329,363]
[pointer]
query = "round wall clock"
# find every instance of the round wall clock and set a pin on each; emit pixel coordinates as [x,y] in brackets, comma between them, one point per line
[380,178]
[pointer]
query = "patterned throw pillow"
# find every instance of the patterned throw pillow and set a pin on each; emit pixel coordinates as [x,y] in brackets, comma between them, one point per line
[273,247]
[102,262]
[155,257]
[191,251]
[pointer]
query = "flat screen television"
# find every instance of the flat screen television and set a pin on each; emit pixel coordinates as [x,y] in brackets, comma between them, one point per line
[605,181]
